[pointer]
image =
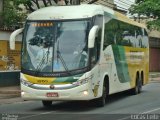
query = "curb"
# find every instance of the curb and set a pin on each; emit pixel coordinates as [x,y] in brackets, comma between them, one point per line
[156,75]
[18,92]
[157,79]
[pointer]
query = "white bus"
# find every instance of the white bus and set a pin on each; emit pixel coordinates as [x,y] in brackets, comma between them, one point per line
[81,52]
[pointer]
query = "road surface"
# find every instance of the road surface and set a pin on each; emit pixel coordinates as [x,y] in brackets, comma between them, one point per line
[121,106]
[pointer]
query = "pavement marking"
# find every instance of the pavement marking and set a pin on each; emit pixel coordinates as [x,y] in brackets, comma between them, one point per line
[151,111]
[124,118]
[29,116]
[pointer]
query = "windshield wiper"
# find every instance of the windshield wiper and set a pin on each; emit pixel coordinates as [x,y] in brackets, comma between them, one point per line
[40,65]
[62,60]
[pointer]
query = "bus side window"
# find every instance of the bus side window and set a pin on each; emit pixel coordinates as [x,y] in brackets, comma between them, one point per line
[139,36]
[145,38]
[98,20]
[95,53]
[98,44]
[110,34]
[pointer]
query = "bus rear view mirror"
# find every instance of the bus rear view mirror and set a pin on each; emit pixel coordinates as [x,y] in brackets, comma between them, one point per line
[92,35]
[13,37]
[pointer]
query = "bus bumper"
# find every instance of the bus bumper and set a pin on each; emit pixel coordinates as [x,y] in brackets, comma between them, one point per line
[82,92]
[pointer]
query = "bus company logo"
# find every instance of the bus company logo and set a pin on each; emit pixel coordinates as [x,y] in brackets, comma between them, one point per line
[52,87]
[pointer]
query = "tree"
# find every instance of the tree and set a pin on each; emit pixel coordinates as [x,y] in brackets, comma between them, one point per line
[11,16]
[149,8]
[14,13]
[32,5]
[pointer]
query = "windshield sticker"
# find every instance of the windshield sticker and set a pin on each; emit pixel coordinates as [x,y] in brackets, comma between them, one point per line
[42,24]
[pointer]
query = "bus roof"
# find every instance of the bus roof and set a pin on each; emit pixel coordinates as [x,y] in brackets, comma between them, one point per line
[123,18]
[78,12]
[66,12]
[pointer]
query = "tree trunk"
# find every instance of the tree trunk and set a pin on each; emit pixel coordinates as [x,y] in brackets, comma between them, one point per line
[45,3]
[56,1]
[1,10]
[75,2]
[37,4]
[49,1]
[29,7]
[92,1]
[1,5]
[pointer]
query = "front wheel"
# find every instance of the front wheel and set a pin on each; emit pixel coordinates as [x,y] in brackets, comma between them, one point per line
[100,102]
[46,103]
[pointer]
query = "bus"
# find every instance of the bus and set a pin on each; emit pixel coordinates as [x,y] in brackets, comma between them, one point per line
[81,52]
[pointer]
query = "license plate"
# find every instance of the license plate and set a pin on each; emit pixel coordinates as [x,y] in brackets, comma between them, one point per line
[52,94]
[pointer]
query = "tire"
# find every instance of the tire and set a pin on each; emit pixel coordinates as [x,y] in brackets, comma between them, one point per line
[47,103]
[138,87]
[100,102]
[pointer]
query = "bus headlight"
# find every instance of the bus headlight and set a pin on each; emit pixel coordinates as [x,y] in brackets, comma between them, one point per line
[85,92]
[25,82]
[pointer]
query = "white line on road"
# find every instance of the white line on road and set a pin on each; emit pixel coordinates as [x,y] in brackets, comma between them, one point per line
[128,117]
[29,116]
[150,111]
[124,118]
[153,110]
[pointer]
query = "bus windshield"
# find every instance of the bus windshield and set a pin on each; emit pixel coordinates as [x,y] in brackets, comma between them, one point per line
[55,46]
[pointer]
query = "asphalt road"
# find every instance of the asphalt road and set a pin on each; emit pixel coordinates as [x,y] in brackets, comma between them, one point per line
[121,106]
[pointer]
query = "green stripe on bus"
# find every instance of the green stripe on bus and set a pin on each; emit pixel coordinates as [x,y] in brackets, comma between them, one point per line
[121,63]
[70,79]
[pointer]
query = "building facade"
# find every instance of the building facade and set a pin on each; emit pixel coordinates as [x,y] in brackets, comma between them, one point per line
[154,42]
[9,60]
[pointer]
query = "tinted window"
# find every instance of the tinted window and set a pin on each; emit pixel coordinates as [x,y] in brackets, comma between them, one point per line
[121,33]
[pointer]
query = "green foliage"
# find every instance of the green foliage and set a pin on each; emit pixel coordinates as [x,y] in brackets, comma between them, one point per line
[17,2]
[149,8]
[24,2]
[11,16]
[155,24]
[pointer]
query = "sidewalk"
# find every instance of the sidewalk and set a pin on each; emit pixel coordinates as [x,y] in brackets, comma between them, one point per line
[12,90]
[10,95]
[154,76]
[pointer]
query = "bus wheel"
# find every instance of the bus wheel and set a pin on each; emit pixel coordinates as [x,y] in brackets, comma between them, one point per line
[100,102]
[46,103]
[138,87]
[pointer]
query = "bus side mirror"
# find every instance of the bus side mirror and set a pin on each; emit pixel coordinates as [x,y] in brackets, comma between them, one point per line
[92,35]
[13,37]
